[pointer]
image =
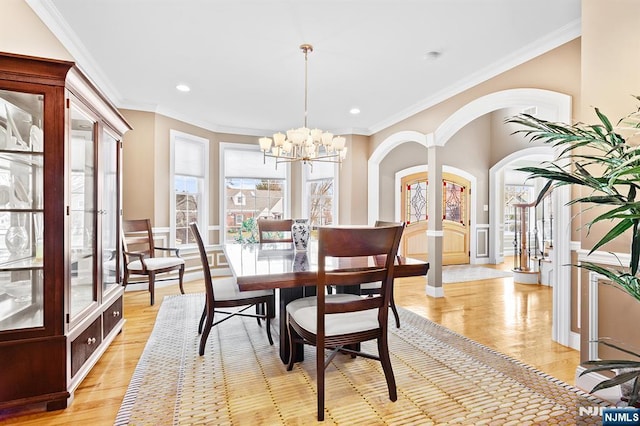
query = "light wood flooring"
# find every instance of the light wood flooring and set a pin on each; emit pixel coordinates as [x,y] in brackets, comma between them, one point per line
[514,319]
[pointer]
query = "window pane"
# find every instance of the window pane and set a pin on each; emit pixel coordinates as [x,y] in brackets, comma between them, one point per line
[248,199]
[320,202]
[416,208]
[454,208]
[514,194]
[187,202]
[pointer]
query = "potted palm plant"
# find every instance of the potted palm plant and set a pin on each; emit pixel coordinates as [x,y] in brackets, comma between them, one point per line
[605,160]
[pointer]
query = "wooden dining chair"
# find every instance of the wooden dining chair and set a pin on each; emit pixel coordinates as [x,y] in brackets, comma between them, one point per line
[224,293]
[339,322]
[275,230]
[374,288]
[139,252]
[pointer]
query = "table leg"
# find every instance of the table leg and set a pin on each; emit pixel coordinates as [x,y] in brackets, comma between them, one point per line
[286,296]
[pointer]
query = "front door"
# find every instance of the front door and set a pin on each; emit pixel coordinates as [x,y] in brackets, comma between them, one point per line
[455,224]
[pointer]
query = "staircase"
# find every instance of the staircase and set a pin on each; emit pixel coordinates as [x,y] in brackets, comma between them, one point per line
[532,243]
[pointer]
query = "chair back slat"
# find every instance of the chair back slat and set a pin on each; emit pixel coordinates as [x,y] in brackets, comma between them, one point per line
[275,230]
[137,237]
[356,242]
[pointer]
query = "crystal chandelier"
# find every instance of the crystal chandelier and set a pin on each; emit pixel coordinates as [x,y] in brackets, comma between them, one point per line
[304,144]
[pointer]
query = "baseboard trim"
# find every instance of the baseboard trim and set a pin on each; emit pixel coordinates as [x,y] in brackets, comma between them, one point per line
[434,291]
[588,381]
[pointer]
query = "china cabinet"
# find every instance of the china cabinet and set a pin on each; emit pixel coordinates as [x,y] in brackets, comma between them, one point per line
[60,286]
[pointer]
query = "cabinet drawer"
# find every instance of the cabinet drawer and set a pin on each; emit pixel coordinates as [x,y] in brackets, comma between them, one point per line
[85,344]
[111,316]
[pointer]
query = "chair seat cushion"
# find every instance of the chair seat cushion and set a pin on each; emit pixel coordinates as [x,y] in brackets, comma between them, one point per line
[226,288]
[371,286]
[303,311]
[156,263]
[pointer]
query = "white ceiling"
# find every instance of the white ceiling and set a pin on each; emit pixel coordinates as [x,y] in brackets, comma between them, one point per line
[242,59]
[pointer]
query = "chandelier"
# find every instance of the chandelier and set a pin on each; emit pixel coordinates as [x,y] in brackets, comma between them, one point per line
[303,144]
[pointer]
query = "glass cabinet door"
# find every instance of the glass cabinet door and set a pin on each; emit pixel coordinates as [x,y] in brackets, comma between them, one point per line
[109,213]
[82,209]
[21,210]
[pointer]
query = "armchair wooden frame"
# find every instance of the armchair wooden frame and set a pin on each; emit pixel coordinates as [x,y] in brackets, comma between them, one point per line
[311,320]
[139,252]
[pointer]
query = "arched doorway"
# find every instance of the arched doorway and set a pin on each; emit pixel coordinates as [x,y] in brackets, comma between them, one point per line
[559,106]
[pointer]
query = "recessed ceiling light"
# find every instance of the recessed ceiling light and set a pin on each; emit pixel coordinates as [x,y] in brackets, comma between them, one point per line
[432,55]
[183,88]
[355,111]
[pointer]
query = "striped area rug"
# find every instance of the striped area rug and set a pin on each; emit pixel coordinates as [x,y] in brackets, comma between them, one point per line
[443,378]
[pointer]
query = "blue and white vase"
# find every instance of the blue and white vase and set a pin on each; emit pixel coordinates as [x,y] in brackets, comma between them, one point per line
[300,262]
[300,234]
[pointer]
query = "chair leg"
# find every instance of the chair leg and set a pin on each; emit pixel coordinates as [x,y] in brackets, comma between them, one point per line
[202,318]
[395,313]
[181,279]
[383,351]
[320,380]
[259,311]
[292,347]
[152,286]
[392,303]
[267,324]
[207,329]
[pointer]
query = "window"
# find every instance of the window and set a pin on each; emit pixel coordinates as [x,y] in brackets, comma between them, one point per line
[515,194]
[320,193]
[189,186]
[250,189]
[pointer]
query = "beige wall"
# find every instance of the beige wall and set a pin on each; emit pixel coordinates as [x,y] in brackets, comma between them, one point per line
[610,75]
[23,32]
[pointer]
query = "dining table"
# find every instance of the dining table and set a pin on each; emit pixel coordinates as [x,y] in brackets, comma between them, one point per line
[261,266]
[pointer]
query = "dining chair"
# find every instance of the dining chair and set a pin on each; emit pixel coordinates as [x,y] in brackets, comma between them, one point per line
[275,230]
[224,293]
[374,288]
[340,322]
[139,254]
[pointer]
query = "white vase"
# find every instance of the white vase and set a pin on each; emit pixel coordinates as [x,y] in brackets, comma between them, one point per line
[300,234]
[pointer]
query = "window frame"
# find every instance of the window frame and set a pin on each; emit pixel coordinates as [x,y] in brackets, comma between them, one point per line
[203,208]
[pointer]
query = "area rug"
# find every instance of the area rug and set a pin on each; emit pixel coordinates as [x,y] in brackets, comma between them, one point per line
[442,378]
[462,273]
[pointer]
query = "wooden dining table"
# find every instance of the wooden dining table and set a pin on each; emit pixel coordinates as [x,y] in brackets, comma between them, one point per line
[293,273]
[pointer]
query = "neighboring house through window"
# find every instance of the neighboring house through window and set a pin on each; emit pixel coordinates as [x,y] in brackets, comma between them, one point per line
[250,189]
[189,186]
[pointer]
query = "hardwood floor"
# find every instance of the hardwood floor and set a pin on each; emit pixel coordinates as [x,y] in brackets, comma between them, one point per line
[514,319]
